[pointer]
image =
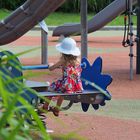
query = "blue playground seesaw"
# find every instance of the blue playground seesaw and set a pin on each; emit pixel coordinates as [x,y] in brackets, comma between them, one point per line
[94,82]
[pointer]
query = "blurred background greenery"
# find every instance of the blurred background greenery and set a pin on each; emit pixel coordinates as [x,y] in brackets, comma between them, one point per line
[94,6]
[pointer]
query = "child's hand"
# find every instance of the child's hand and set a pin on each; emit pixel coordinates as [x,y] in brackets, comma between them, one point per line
[51,66]
[55,66]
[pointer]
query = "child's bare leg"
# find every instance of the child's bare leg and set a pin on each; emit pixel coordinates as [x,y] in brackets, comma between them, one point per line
[46,104]
[57,108]
[59,102]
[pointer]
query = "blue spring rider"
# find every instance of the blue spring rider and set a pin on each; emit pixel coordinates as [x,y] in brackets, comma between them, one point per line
[94,82]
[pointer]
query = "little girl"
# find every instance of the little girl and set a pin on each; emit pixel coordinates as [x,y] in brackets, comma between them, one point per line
[70,81]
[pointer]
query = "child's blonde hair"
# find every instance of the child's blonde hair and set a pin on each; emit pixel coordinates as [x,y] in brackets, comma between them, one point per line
[69,59]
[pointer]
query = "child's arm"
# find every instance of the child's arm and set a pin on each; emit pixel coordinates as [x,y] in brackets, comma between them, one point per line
[56,65]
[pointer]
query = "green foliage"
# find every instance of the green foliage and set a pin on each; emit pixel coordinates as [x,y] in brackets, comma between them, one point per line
[11,4]
[98,5]
[70,6]
[20,121]
[93,5]
[17,122]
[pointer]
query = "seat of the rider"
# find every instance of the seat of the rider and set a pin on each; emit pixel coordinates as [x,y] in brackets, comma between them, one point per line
[38,86]
[86,96]
[41,87]
[84,92]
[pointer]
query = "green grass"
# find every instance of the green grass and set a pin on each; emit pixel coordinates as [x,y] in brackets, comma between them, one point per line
[4,13]
[61,18]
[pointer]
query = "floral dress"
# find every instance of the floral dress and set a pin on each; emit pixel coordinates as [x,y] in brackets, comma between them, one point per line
[70,81]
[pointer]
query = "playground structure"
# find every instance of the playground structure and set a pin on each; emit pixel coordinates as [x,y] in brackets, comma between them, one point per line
[28,15]
[94,82]
[97,22]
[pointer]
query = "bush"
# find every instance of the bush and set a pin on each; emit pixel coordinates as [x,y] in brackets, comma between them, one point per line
[93,5]
[11,4]
[18,119]
[98,5]
[69,6]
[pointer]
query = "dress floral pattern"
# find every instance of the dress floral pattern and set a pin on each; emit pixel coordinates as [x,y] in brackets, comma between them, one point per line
[70,81]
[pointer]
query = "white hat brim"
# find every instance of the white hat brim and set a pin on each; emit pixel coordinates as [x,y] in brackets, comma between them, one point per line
[75,51]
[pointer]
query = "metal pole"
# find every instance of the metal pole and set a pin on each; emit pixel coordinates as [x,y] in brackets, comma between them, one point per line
[44,47]
[138,40]
[84,46]
[131,39]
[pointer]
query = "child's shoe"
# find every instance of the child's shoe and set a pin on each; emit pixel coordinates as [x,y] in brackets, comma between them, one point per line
[55,111]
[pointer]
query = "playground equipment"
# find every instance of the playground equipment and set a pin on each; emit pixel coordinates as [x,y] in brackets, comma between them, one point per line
[97,22]
[34,11]
[26,17]
[138,40]
[44,42]
[106,15]
[18,23]
[94,83]
[128,39]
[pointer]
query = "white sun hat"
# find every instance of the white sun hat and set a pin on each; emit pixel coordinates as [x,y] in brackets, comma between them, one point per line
[68,46]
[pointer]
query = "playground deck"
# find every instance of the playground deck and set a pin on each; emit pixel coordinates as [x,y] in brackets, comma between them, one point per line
[119,119]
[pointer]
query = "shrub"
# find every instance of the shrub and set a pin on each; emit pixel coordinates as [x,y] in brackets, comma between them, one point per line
[93,5]
[16,112]
[69,5]
[11,4]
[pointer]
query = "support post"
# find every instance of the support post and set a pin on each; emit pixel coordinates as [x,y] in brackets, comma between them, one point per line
[44,47]
[84,46]
[138,40]
[131,39]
